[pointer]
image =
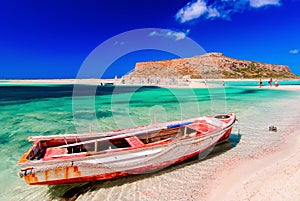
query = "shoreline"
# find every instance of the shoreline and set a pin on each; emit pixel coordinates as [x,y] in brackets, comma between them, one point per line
[274,173]
[56,81]
[71,80]
[194,83]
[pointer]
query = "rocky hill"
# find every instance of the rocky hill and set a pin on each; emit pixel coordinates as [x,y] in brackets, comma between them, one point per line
[210,65]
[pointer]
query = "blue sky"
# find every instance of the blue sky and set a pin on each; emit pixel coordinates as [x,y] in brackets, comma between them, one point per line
[52,38]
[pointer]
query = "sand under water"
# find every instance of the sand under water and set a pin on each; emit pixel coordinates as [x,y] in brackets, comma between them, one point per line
[48,109]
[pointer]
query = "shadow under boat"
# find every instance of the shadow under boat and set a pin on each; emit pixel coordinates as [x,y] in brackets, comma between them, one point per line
[72,191]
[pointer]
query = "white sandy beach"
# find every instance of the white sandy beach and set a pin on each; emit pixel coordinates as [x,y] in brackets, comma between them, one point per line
[194,83]
[270,176]
[57,81]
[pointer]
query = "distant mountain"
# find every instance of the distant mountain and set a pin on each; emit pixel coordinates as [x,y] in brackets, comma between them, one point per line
[210,65]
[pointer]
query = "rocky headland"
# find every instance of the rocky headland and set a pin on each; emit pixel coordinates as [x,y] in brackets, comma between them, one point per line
[210,65]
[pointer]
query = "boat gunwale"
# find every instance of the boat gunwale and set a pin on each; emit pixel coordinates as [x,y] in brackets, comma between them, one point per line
[181,139]
[139,132]
[161,125]
[126,150]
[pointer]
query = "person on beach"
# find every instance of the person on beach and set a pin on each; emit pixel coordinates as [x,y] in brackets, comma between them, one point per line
[205,82]
[270,82]
[260,83]
[276,83]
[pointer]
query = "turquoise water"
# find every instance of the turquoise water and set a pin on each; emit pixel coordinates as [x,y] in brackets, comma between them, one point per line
[51,109]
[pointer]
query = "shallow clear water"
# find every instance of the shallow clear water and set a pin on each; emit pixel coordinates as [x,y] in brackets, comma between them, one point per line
[50,109]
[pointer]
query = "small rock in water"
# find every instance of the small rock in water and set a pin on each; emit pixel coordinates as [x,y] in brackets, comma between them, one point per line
[273,128]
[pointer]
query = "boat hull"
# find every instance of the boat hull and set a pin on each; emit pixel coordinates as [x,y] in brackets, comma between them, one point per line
[75,174]
[113,164]
[88,171]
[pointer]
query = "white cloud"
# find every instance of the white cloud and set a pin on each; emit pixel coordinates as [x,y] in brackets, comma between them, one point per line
[170,34]
[179,35]
[213,12]
[294,51]
[261,3]
[191,11]
[219,8]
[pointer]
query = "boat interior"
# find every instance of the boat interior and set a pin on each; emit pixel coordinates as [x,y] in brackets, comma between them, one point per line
[75,147]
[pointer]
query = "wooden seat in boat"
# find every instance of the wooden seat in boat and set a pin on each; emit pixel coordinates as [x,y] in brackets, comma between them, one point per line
[134,141]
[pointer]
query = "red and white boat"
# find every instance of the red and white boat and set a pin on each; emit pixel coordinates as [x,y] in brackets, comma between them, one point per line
[69,158]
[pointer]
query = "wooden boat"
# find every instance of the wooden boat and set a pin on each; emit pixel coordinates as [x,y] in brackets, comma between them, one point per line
[69,158]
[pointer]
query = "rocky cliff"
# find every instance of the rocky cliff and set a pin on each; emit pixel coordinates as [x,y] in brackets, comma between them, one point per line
[211,65]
